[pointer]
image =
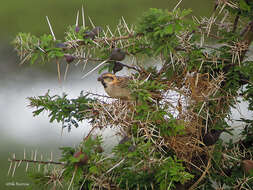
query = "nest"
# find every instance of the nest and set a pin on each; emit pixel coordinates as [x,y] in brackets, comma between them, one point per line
[197,89]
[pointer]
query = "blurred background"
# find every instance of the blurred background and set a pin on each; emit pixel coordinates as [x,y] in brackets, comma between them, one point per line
[19,130]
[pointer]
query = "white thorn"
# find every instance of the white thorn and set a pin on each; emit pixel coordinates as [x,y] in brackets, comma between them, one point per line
[14,169]
[83,17]
[109,31]
[115,166]
[41,49]
[147,78]
[120,36]
[9,169]
[177,5]
[96,43]
[19,163]
[26,168]
[85,64]
[66,71]
[72,179]
[126,25]
[94,69]
[50,27]
[77,18]
[77,63]
[93,26]
[27,57]
[35,155]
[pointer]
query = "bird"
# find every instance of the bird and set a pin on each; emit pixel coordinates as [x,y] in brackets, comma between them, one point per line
[212,137]
[116,86]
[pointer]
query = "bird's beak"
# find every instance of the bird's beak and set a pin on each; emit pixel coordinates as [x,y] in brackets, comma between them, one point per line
[100,79]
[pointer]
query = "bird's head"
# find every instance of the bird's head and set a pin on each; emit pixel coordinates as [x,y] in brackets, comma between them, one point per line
[107,79]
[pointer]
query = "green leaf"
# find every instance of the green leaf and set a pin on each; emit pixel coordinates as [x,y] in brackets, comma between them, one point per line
[186,12]
[74,160]
[52,118]
[169,29]
[37,112]
[244,6]
[34,58]
[94,170]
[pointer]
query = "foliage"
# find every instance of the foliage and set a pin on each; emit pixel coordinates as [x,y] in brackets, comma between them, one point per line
[63,109]
[170,172]
[160,26]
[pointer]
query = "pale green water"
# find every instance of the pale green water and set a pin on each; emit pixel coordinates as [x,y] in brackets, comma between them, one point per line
[29,15]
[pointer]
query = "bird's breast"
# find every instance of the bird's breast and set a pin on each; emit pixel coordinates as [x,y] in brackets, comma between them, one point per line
[117,92]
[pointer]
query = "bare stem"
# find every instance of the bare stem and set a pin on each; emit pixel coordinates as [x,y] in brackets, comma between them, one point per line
[33,161]
[58,70]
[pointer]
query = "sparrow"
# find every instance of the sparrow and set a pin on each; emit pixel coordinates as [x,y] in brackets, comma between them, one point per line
[116,86]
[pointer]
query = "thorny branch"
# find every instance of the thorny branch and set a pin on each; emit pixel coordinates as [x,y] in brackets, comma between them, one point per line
[35,161]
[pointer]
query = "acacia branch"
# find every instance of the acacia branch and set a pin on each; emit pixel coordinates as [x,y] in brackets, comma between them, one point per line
[130,67]
[202,176]
[80,42]
[35,161]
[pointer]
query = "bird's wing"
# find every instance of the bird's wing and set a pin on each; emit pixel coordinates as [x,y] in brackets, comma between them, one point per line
[123,81]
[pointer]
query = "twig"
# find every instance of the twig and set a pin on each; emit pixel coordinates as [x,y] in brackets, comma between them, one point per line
[89,134]
[236,21]
[130,67]
[115,166]
[83,58]
[211,35]
[227,156]
[37,161]
[95,59]
[202,176]
[246,29]
[72,179]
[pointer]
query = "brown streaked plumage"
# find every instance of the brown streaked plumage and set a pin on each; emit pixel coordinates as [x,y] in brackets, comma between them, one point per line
[116,86]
